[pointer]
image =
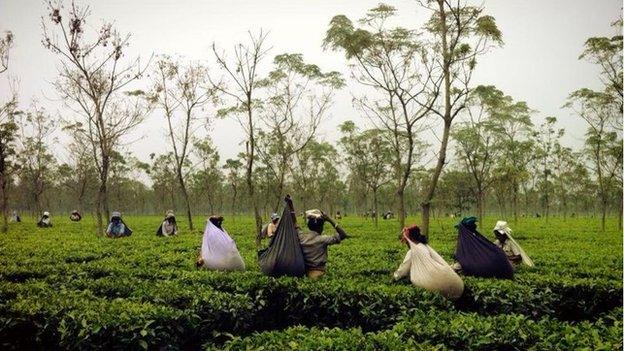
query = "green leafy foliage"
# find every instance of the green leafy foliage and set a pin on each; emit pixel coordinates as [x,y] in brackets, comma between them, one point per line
[68,288]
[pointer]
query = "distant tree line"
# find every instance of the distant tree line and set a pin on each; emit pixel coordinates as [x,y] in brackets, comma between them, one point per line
[439,145]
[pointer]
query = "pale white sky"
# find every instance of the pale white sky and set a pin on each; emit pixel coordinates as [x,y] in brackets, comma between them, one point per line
[538,62]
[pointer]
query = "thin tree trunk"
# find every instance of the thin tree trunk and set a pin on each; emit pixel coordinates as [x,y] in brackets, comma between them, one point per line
[99,207]
[103,194]
[480,207]
[249,176]
[401,196]
[187,201]
[426,204]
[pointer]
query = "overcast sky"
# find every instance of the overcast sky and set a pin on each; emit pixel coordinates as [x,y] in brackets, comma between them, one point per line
[538,63]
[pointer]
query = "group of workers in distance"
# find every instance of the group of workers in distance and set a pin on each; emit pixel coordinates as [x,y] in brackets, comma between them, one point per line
[304,252]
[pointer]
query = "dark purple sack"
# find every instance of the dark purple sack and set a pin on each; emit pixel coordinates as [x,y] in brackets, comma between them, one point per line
[480,257]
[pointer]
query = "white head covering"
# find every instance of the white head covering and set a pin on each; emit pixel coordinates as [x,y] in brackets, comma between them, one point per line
[46,213]
[314,214]
[503,227]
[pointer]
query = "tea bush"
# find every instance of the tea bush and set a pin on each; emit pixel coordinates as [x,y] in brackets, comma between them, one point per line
[67,288]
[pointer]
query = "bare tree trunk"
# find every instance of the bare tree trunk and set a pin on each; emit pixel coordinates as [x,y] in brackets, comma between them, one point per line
[102,198]
[401,196]
[100,202]
[249,177]
[187,201]
[480,206]
[426,204]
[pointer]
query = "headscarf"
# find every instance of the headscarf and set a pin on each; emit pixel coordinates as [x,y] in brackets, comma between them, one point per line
[169,214]
[315,220]
[274,216]
[420,238]
[503,227]
[313,214]
[46,214]
[115,214]
[468,222]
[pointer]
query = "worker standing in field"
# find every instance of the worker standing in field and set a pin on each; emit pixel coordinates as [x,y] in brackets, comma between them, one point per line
[169,226]
[314,244]
[75,216]
[45,221]
[116,227]
[269,229]
[513,250]
[426,268]
[15,217]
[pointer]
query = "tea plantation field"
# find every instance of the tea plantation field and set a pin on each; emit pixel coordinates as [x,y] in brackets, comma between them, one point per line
[67,288]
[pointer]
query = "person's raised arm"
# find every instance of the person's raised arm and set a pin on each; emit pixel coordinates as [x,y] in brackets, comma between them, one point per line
[341,233]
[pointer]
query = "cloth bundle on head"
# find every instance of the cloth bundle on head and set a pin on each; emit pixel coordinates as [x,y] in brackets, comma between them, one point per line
[284,255]
[315,218]
[478,256]
[503,227]
[219,250]
[314,214]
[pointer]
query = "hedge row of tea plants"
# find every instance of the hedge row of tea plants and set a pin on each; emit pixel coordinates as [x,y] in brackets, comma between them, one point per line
[66,288]
[436,330]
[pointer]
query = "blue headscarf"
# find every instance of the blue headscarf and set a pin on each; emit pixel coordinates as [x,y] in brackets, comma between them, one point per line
[468,222]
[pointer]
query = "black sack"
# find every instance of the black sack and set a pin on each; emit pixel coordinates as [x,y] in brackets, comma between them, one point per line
[284,255]
[127,230]
[159,231]
[480,257]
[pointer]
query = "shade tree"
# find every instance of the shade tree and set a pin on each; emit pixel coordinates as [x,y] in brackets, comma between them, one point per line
[94,80]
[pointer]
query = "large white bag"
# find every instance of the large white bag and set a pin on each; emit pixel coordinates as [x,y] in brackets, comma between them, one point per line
[219,250]
[428,270]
